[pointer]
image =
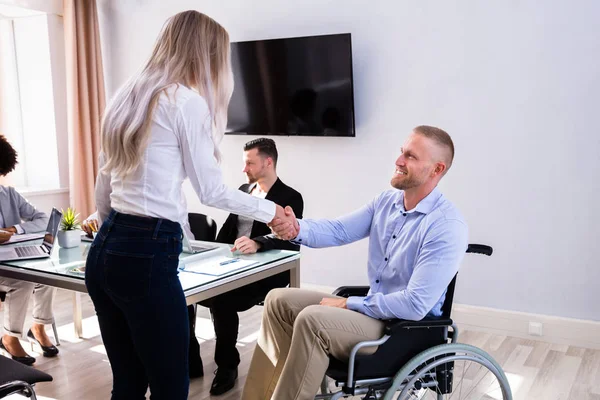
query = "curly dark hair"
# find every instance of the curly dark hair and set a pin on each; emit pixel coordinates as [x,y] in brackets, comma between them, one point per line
[8,156]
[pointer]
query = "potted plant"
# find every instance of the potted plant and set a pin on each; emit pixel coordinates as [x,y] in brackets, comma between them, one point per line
[69,234]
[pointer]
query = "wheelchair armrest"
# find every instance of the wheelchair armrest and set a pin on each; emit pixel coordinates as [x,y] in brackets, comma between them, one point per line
[395,325]
[347,291]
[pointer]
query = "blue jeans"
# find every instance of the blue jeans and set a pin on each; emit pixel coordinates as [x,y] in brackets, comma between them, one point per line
[132,278]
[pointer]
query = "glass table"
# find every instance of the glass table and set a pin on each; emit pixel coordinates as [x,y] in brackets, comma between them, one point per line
[65,269]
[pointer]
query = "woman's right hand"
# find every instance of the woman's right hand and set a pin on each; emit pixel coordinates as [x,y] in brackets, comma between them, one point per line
[90,226]
[4,236]
[285,225]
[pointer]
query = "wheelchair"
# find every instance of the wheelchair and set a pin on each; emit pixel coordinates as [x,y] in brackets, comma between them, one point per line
[433,366]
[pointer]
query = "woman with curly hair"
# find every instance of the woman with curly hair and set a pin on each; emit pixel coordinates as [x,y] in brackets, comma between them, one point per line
[17,216]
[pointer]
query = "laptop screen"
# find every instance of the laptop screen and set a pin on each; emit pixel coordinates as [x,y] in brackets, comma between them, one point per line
[52,229]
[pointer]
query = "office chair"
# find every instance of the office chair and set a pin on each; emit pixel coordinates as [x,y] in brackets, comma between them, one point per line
[416,358]
[16,378]
[203,227]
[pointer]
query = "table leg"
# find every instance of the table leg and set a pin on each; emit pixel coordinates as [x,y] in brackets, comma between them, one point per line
[77,317]
[295,274]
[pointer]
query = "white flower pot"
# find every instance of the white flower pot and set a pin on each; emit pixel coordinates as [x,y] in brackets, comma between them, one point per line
[68,239]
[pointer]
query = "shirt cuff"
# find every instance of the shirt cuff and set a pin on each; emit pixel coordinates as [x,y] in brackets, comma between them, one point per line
[266,211]
[356,303]
[20,230]
[302,237]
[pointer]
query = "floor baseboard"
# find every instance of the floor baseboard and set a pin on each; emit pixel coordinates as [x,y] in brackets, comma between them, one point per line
[559,330]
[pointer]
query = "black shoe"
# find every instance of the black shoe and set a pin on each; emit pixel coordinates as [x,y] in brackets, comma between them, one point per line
[50,351]
[27,360]
[224,381]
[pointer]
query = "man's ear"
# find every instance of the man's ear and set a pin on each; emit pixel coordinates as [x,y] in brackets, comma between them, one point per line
[439,169]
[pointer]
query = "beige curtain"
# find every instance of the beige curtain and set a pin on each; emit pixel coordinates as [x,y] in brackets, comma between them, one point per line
[85,99]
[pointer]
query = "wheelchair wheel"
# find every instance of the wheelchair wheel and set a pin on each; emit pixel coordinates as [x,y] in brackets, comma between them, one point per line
[457,371]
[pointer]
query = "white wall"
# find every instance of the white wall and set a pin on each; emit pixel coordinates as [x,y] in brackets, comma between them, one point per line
[517,85]
[45,200]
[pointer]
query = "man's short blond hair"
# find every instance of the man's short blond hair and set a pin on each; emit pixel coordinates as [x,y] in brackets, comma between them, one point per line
[440,137]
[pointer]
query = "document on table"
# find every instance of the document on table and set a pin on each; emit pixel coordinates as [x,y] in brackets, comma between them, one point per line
[24,237]
[218,265]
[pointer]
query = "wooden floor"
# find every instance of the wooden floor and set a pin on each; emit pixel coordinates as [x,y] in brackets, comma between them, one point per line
[536,370]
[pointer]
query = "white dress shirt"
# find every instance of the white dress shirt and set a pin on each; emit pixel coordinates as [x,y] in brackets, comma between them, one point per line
[180,146]
[245,224]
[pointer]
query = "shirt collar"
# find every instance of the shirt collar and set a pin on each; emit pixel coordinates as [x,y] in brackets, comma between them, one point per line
[424,206]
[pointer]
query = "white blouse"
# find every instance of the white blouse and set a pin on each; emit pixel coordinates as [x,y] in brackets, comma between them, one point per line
[180,146]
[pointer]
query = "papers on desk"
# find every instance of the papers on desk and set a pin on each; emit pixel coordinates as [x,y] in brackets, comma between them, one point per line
[24,238]
[218,265]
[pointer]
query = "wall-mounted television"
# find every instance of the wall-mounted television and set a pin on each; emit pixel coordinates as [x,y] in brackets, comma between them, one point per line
[296,86]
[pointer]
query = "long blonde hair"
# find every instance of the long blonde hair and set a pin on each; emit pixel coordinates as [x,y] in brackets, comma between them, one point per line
[192,49]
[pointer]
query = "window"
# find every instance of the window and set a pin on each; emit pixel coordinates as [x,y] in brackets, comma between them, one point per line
[29,85]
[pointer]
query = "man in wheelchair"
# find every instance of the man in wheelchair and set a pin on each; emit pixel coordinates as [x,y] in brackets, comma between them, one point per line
[417,239]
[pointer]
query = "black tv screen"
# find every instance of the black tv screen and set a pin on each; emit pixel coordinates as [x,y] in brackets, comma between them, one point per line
[297,86]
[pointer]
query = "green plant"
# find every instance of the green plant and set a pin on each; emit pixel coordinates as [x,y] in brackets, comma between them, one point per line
[70,220]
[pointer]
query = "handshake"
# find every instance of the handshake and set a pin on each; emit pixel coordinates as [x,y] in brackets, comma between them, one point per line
[284,225]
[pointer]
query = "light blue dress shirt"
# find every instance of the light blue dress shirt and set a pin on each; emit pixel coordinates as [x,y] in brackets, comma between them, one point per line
[17,227]
[413,255]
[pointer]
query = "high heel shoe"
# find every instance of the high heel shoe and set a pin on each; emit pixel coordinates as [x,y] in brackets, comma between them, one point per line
[50,351]
[27,360]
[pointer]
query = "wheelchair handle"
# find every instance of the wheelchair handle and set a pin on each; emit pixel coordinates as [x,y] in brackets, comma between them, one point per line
[480,249]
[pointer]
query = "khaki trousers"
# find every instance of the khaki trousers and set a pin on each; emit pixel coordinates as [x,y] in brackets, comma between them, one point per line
[18,294]
[296,337]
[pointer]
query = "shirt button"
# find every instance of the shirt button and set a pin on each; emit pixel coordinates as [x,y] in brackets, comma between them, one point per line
[377,281]
[386,259]
[404,214]
[394,237]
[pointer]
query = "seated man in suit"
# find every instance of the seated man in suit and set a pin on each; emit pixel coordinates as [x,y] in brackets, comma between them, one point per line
[417,239]
[247,236]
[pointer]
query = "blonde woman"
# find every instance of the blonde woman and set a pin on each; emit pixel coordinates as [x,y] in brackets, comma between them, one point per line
[162,126]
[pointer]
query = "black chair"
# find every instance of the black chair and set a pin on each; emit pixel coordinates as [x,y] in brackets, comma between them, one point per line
[16,378]
[203,227]
[374,373]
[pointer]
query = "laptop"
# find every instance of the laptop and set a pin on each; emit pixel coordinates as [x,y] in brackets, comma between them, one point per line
[43,250]
[190,248]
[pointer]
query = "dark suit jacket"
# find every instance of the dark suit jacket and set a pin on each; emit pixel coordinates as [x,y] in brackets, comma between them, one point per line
[280,194]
